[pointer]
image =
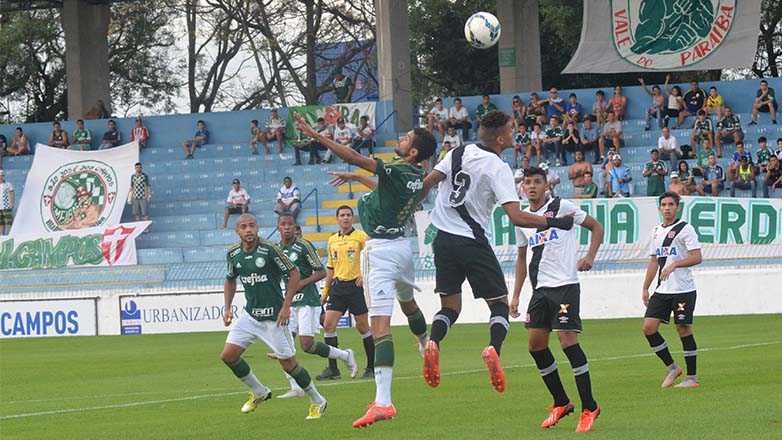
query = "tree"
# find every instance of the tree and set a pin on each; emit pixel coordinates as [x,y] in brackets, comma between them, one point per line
[768,59]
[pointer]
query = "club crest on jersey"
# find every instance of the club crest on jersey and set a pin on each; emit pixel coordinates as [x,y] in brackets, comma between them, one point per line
[543,237]
[672,234]
[666,251]
[293,256]
[260,262]
[549,214]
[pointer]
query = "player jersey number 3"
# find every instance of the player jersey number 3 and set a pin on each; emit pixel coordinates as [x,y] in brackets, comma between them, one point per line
[461,183]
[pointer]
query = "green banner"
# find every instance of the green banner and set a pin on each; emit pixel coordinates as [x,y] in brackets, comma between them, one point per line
[351,113]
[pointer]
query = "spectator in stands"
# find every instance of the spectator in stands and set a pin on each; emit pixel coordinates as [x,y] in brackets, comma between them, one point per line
[714,103]
[536,111]
[484,107]
[655,172]
[288,199]
[6,204]
[458,117]
[600,108]
[199,139]
[342,86]
[657,109]
[536,143]
[20,145]
[703,129]
[453,137]
[553,141]
[677,186]
[518,111]
[518,178]
[446,148]
[744,178]
[551,177]
[764,156]
[694,101]
[713,177]
[687,177]
[577,171]
[140,193]
[703,158]
[255,137]
[111,138]
[364,135]
[668,147]
[735,159]
[238,202]
[437,117]
[611,135]
[573,111]
[605,169]
[773,177]
[311,145]
[675,101]
[590,189]
[274,131]
[590,138]
[81,138]
[619,179]
[58,138]
[764,102]
[728,130]
[555,106]
[139,133]
[522,143]
[618,104]
[3,145]
[343,134]
[778,153]
[571,139]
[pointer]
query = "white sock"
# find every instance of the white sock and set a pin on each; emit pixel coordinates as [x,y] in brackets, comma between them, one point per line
[383,376]
[337,353]
[294,385]
[255,385]
[315,396]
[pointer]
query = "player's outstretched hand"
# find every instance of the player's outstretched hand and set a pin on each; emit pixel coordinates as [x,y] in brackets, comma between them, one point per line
[284,317]
[584,264]
[645,297]
[272,355]
[514,308]
[565,223]
[303,126]
[227,316]
[342,177]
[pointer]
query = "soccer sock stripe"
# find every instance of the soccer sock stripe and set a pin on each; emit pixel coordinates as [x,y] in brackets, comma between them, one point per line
[303,379]
[417,324]
[660,348]
[369,348]
[578,361]
[690,354]
[240,367]
[547,366]
[321,349]
[331,339]
[384,351]
[498,325]
[442,322]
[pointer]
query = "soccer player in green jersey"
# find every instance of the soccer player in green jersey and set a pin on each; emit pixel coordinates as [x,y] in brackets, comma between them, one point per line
[387,259]
[261,266]
[305,309]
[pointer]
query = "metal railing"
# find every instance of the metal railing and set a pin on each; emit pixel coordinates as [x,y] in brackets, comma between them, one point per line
[318,228]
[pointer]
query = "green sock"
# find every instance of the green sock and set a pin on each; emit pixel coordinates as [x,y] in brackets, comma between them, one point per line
[319,349]
[240,368]
[384,351]
[417,324]
[301,376]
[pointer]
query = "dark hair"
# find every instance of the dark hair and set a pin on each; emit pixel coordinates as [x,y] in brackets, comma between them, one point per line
[778,139]
[686,165]
[57,123]
[364,117]
[739,143]
[449,143]
[701,113]
[298,227]
[274,110]
[712,88]
[79,120]
[344,207]
[694,82]
[321,120]
[20,129]
[536,125]
[572,95]
[600,93]
[138,164]
[763,81]
[677,88]
[424,142]
[535,171]
[669,194]
[340,120]
[588,118]
[287,178]
[457,99]
[284,215]
[485,96]
[438,100]
[654,150]
[254,121]
[201,121]
[762,139]
[112,121]
[655,87]
[516,97]
[492,122]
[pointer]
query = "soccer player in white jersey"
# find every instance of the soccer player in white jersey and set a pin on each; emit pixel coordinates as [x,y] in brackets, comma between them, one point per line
[555,303]
[674,248]
[473,180]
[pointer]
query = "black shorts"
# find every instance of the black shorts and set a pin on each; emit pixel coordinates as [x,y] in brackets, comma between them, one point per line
[681,304]
[236,210]
[346,296]
[765,109]
[457,258]
[555,308]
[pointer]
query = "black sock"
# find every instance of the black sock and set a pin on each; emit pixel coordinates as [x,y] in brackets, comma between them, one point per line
[331,339]
[547,366]
[690,354]
[441,323]
[498,324]
[580,366]
[369,348]
[660,348]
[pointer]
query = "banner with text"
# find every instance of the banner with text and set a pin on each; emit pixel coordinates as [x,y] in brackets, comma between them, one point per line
[71,190]
[649,35]
[351,113]
[50,317]
[101,246]
[726,227]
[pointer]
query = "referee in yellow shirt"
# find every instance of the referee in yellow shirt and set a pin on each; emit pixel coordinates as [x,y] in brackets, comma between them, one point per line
[344,292]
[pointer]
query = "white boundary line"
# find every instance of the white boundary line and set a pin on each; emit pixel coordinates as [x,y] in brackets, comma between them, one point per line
[233,393]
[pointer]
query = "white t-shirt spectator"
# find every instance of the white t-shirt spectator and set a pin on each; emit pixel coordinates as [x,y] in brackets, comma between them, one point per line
[686,240]
[455,140]
[458,114]
[288,194]
[238,197]
[520,186]
[442,114]
[616,125]
[666,145]
[367,131]
[539,136]
[343,135]
[275,123]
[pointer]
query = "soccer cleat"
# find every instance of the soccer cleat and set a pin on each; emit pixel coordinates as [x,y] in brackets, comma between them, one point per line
[587,419]
[316,410]
[432,364]
[253,402]
[292,393]
[329,374]
[689,382]
[673,373]
[375,414]
[492,360]
[369,373]
[351,364]
[557,412]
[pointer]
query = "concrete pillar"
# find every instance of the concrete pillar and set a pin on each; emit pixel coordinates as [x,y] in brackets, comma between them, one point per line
[393,59]
[86,28]
[519,46]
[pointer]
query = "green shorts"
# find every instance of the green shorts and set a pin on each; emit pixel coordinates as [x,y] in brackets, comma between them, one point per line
[6,216]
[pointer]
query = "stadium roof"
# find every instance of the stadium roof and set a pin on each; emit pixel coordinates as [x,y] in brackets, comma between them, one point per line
[29,5]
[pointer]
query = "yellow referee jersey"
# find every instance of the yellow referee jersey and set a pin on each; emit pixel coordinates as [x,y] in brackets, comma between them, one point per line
[344,254]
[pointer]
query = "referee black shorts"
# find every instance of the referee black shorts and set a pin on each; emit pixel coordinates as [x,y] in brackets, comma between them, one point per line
[682,305]
[457,258]
[346,296]
[555,308]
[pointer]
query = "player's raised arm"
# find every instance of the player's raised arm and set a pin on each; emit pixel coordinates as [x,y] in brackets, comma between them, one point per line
[585,263]
[343,177]
[527,220]
[345,153]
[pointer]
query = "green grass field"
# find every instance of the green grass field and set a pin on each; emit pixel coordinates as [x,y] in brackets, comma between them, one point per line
[175,387]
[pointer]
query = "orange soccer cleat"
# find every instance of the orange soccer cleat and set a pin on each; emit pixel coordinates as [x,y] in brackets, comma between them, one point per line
[375,414]
[492,360]
[557,412]
[587,419]
[432,364]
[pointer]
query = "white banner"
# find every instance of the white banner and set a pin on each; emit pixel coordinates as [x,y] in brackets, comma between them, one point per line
[643,35]
[183,313]
[101,246]
[726,227]
[70,190]
[24,319]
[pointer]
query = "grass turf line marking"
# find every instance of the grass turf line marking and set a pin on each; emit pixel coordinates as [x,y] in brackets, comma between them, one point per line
[453,373]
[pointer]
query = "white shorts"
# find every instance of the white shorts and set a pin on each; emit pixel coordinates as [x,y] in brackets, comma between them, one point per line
[247,330]
[305,320]
[388,272]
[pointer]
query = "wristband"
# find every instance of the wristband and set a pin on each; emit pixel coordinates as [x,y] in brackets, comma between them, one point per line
[325,291]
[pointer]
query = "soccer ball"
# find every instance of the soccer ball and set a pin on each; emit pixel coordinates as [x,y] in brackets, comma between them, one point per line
[482,30]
